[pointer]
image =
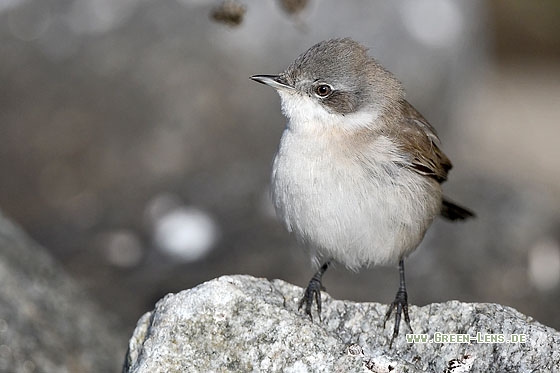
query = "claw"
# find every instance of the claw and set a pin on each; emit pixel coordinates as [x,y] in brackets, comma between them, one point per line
[313,292]
[401,305]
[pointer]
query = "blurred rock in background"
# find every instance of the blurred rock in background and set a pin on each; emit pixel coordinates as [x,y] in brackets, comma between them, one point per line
[47,322]
[135,147]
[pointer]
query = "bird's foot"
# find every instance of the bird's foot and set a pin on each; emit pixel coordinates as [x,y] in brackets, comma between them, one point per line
[401,305]
[312,292]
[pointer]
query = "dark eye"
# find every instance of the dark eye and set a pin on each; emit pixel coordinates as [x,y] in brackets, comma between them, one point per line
[323,90]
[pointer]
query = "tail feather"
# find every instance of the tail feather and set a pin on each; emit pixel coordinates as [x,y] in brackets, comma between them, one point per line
[452,211]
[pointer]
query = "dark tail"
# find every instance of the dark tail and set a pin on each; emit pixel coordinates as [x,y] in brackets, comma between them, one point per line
[451,211]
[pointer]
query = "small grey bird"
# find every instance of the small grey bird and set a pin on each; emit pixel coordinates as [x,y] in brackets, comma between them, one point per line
[357,177]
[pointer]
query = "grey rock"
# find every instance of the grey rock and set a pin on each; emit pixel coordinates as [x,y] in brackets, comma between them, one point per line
[244,324]
[47,323]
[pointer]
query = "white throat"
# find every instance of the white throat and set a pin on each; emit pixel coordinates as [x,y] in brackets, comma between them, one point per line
[304,113]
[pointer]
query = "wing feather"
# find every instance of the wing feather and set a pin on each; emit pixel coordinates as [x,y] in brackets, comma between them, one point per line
[419,139]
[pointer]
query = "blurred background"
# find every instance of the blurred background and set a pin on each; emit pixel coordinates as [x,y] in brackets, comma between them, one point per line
[135,148]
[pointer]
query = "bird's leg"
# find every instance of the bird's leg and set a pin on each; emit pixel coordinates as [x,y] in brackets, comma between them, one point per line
[401,304]
[313,291]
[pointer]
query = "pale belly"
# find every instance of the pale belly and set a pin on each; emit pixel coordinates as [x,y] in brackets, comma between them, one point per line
[343,211]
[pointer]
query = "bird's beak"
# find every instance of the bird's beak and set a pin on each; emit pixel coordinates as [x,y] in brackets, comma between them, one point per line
[274,81]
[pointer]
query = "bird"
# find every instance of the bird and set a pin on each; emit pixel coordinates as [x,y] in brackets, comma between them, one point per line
[358,172]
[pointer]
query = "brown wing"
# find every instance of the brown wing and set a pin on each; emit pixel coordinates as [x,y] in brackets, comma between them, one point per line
[420,140]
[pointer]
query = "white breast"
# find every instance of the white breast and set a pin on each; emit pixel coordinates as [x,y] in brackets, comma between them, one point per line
[358,210]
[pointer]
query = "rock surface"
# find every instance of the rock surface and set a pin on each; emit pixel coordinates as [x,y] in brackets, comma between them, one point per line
[47,323]
[242,324]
